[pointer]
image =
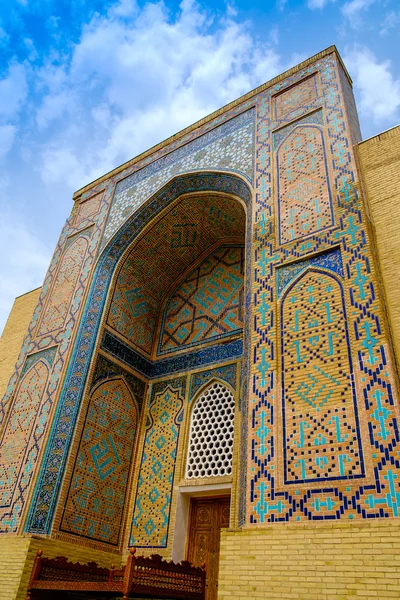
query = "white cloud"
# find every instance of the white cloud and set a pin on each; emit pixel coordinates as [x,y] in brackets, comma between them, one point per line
[315,4]
[124,8]
[13,91]
[137,76]
[27,260]
[7,136]
[378,91]
[4,37]
[391,20]
[55,107]
[352,11]
[32,52]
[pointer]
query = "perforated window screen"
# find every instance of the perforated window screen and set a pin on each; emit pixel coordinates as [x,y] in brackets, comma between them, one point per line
[211,434]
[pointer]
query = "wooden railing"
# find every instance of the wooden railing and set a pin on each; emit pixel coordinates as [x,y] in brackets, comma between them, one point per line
[141,576]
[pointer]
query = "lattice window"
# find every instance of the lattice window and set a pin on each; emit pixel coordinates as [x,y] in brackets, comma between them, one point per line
[211,434]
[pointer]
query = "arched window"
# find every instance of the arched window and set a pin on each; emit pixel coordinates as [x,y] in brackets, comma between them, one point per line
[211,433]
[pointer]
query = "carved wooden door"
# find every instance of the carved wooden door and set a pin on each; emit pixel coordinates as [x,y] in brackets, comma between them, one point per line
[207,516]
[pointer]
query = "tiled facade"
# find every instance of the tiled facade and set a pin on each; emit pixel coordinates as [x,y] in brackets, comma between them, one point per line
[208,305]
[238,252]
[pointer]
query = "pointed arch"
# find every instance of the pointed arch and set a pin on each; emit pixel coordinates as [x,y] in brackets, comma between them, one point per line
[42,507]
[19,443]
[96,497]
[321,437]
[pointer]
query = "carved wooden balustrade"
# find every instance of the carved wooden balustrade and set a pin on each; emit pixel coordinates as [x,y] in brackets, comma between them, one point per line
[144,577]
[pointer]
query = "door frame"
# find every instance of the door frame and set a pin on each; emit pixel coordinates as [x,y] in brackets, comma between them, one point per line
[185,494]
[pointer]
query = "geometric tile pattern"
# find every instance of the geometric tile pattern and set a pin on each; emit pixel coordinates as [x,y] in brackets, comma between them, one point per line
[319,407]
[226,373]
[91,225]
[64,285]
[176,363]
[106,369]
[227,147]
[304,199]
[20,443]
[89,208]
[167,250]
[52,346]
[377,494]
[328,260]
[208,305]
[43,504]
[351,109]
[48,355]
[264,497]
[157,467]
[316,117]
[301,95]
[96,498]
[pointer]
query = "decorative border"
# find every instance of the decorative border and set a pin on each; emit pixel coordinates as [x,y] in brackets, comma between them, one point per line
[155,369]
[331,260]
[227,373]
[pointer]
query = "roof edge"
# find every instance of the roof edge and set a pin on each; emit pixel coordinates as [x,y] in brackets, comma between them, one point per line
[261,88]
[382,135]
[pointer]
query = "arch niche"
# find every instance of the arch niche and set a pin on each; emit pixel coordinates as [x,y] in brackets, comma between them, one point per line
[196,222]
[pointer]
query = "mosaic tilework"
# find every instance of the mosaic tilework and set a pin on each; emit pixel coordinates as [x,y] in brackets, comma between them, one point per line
[64,285]
[351,110]
[301,95]
[88,209]
[320,422]
[97,221]
[96,498]
[49,479]
[169,248]
[47,355]
[378,495]
[106,369]
[21,438]
[228,147]
[316,117]
[328,260]
[91,229]
[304,198]
[226,373]
[208,305]
[157,467]
[61,338]
[182,362]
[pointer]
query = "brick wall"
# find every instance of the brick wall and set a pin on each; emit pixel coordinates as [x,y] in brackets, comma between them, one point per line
[14,333]
[18,554]
[379,159]
[311,562]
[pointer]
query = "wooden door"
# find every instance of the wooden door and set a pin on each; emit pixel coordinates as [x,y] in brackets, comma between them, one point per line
[207,516]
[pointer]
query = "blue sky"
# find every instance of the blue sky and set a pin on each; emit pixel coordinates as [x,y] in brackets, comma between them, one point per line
[87,84]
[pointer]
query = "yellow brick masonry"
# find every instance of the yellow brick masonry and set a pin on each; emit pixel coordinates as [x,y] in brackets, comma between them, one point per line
[13,335]
[379,162]
[311,562]
[18,553]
